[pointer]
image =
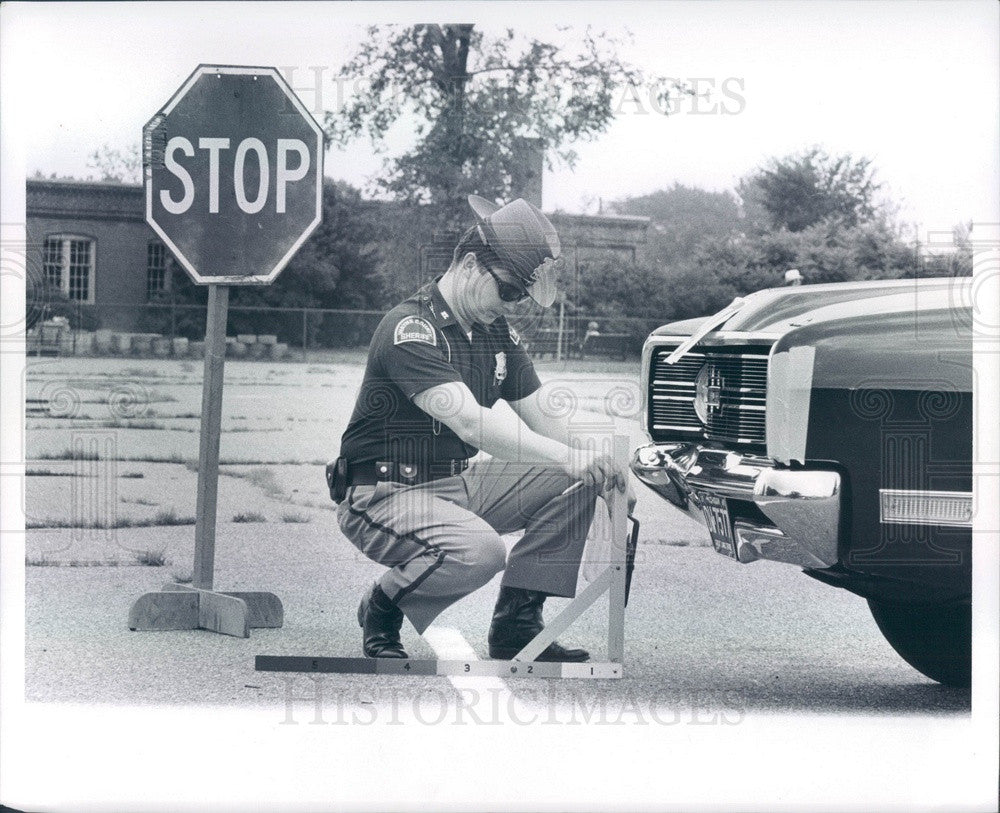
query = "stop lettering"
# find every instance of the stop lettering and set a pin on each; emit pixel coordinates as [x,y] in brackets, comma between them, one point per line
[250,150]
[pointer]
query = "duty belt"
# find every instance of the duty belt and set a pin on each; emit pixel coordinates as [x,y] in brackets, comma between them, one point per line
[362,474]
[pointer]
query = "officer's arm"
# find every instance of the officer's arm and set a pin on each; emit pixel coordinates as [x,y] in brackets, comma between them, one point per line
[546,424]
[497,433]
[540,421]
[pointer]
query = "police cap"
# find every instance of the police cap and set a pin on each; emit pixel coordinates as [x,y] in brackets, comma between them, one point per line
[524,240]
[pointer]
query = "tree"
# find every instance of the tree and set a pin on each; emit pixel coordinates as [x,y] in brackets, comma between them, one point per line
[481,105]
[682,218]
[117,166]
[803,189]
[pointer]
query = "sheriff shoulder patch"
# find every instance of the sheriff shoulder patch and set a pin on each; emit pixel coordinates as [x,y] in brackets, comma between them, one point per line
[414,329]
[514,337]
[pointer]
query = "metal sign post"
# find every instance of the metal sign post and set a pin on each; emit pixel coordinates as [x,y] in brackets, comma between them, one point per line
[611,580]
[233,171]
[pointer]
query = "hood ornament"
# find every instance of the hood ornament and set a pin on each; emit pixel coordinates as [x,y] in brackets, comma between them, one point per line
[710,324]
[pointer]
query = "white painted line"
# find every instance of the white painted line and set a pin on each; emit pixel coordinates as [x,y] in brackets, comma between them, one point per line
[450,645]
[483,697]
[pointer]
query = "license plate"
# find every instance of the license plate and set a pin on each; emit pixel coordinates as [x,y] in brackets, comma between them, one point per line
[719,527]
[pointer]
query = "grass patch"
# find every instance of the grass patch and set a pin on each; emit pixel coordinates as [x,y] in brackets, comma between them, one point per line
[291,517]
[173,457]
[169,517]
[264,479]
[132,475]
[249,516]
[39,561]
[166,517]
[50,473]
[131,424]
[138,501]
[69,454]
[151,558]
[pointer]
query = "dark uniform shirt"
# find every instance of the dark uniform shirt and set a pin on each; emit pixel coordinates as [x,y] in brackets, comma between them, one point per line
[420,344]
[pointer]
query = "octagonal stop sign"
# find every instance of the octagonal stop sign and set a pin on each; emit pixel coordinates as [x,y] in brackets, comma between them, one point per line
[233,168]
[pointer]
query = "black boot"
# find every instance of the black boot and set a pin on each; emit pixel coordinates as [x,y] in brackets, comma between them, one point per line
[517,619]
[381,621]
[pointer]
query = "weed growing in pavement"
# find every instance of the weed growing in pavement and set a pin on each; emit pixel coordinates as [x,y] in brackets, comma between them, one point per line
[138,501]
[132,424]
[40,561]
[173,457]
[69,454]
[169,517]
[249,516]
[132,475]
[166,517]
[296,518]
[151,558]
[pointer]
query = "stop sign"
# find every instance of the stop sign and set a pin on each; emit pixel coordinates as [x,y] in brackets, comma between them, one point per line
[233,168]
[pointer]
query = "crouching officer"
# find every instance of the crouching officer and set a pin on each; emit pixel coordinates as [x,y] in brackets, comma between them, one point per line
[408,499]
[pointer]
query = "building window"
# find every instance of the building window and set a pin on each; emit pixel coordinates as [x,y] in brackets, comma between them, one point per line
[157,270]
[69,266]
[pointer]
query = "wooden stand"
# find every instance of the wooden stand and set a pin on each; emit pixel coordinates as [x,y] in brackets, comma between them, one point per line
[524,664]
[196,606]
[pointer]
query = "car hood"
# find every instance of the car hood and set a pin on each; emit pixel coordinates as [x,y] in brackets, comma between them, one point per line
[779,310]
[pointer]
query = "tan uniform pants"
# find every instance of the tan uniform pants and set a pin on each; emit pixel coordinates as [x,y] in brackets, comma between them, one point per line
[441,540]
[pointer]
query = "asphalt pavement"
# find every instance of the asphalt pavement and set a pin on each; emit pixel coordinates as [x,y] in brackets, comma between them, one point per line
[702,632]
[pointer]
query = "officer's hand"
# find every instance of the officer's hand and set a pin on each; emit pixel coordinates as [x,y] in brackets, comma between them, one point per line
[596,470]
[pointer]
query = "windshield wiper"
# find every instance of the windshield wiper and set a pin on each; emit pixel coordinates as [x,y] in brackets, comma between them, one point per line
[710,324]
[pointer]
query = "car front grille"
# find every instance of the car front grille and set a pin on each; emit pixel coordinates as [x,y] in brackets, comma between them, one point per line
[734,392]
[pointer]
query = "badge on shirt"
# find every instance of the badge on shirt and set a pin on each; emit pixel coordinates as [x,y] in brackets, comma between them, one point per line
[514,337]
[501,369]
[414,329]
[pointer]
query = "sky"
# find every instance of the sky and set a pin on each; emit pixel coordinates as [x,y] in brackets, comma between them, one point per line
[912,85]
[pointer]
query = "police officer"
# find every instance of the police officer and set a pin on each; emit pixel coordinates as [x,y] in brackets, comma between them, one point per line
[409,499]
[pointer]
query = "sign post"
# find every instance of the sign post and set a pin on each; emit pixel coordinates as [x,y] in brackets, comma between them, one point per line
[233,172]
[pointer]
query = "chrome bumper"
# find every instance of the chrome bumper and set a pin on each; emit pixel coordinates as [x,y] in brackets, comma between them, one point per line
[802,505]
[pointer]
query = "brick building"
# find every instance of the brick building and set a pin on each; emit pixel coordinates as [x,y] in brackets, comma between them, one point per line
[91,242]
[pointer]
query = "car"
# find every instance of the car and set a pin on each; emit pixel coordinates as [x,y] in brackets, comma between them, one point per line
[829,426]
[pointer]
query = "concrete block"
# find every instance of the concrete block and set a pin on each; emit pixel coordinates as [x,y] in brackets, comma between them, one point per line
[267,339]
[279,351]
[180,346]
[102,342]
[246,338]
[161,347]
[121,344]
[236,350]
[142,345]
[84,343]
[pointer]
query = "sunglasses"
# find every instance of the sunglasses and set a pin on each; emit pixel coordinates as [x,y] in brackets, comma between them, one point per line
[509,291]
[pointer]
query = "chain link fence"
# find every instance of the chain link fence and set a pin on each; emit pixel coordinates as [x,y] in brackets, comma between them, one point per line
[177,330]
